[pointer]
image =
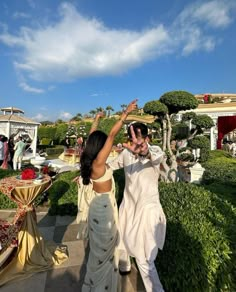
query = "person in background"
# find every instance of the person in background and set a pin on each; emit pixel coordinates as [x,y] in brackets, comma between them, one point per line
[141,217]
[233,148]
[1,150]
[18,155]
[102,267]
[5,153]
[11,151]
[67,142]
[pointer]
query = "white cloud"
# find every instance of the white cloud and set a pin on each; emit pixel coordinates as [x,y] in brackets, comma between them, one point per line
[215,13]
[18,14]
[80,47]
[28,88]
[77,46]
[98,94]
[193,27]
[39,118]
[65,116]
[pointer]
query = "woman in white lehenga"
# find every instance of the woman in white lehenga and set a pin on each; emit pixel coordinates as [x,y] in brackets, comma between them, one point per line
[98,198]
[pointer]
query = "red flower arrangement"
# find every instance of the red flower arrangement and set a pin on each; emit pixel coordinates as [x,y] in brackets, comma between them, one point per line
[28,173]
[45,169]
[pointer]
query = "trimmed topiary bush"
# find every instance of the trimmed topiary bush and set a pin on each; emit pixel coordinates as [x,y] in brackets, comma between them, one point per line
[203,143]
[55,150]
[197,253]
[220,168]
[220,172]
[179,100]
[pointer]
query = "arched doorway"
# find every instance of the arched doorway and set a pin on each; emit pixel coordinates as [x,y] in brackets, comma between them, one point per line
[225,125]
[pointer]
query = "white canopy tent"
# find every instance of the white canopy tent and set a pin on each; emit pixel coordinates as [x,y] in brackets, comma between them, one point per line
[14,124]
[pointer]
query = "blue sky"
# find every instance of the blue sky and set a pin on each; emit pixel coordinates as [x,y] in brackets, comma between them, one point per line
[60,58]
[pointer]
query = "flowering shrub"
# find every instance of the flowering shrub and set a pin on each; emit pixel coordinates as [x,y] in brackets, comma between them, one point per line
[47,170]
[207,98]
[28,173]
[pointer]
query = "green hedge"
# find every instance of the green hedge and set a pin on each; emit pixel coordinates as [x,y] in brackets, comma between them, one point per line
[63,195]
[222,173]
[220,168]
[56,150]
[45,141]
[197,255]
[220,156]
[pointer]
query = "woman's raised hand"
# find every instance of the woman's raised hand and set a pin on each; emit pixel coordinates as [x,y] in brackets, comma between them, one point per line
[100,114]
[132,106]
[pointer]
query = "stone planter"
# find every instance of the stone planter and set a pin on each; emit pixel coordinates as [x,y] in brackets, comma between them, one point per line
[196,173]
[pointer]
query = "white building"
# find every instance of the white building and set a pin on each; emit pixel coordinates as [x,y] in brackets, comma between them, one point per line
[225,107]
[14,124]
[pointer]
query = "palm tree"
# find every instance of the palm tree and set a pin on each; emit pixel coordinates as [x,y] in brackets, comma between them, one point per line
[93,112]
[59,121]
[123,106]
[109,109]
[99,109]
[77,117]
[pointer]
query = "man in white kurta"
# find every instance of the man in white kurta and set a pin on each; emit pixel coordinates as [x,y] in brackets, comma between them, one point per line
[141,218]
[19,153]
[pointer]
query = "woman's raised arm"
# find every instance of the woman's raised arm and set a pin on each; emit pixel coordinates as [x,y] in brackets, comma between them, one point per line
[105,151]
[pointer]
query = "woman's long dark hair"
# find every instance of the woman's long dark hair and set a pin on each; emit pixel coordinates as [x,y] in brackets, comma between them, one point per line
[94,144]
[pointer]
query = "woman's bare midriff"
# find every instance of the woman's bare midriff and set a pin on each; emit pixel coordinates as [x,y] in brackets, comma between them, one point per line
[102,187]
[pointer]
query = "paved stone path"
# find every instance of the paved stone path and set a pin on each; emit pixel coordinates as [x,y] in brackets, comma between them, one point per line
[67,277]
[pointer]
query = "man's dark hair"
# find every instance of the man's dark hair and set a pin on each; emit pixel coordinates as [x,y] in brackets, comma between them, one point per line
[143,128]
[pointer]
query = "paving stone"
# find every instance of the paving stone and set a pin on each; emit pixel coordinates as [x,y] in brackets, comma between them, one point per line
[65,233]
[78,254]
[7,215]
[44,220]
[35,283]
[47,232]
[65,220]
[126,285]
[68,279]
[136,280]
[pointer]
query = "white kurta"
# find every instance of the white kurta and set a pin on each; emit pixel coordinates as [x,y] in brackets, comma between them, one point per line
[141,218]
